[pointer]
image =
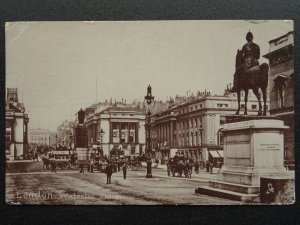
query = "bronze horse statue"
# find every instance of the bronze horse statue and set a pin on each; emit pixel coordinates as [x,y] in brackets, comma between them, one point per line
[254,78]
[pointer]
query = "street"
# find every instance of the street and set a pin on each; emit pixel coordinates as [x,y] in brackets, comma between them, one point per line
[74,188]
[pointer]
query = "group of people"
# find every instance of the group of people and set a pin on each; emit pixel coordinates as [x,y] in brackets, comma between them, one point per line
[110,168]
[209,165]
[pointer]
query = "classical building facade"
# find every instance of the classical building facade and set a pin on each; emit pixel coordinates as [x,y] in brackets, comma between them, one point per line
[39,136]
[192,128]
[116,126]
[281,87]
[16,129]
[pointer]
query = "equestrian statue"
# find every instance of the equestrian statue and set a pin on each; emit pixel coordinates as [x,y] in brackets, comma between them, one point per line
[250,75]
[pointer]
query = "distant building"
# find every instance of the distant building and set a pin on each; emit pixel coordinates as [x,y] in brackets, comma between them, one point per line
[39,136]
[281,87]
[123,127]
[192,127]
[16,127]
[65,134]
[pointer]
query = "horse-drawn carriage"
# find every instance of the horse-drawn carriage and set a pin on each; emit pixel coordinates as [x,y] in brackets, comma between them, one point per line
[180,165]
[134,162]
[63,160]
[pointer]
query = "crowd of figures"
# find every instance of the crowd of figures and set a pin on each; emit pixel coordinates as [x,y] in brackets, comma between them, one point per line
[178,165]
[110,165]
[181,165]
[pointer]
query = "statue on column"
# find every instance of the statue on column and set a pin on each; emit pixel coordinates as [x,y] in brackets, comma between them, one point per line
[81,116]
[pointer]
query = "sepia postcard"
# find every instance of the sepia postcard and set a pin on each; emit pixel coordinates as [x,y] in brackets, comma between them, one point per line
[197,112]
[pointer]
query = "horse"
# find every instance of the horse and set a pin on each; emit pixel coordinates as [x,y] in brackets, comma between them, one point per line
[46,163]
[254,78]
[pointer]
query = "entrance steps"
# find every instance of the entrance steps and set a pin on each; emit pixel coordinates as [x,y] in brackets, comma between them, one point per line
[238,192]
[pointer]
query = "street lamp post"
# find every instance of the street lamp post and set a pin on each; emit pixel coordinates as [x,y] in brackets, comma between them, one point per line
[200,133]
[149,106]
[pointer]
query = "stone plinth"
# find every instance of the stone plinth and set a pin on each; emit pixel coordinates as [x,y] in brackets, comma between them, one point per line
[252,149]
[81,142]
[81,136]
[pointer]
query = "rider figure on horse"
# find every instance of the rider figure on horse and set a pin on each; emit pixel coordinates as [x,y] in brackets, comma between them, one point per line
[250,54]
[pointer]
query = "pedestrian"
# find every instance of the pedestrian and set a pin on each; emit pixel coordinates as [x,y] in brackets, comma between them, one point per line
[124,168]
[53,166]
[91,166]
[207,166]
[108,172]
[197,167]
[219,164]
[119,165]
[211,165]
[81,168]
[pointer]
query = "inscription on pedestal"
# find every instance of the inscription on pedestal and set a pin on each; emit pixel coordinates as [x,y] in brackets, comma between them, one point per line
[268,147]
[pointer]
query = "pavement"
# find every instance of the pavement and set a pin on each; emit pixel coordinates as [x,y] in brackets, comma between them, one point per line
[72,187]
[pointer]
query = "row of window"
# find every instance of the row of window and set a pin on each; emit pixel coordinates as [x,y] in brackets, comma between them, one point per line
[115,114]
[185,110]
[219,105]
[130,126]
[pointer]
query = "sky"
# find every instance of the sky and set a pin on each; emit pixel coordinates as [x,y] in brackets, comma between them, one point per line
[57,66]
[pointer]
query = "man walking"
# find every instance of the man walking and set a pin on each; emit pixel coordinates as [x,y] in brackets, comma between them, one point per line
[81,168]
[108,172]
[197,167]
[211,165]
[53,166]
[207,166]
[124,168]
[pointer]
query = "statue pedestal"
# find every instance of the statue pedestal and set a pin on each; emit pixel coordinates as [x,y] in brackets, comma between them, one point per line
[252,149]
[81,142]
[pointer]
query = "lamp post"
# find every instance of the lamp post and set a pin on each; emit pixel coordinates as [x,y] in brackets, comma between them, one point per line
[101,134]
[200,133]
[148,106]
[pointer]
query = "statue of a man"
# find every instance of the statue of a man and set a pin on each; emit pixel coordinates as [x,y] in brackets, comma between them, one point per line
[149,90]
[81,116]
[250,57]
[251,52]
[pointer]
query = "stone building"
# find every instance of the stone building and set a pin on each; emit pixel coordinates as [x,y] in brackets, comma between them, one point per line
[192,128]
[281,88]
[123,128]
[39,136]
[16,127]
